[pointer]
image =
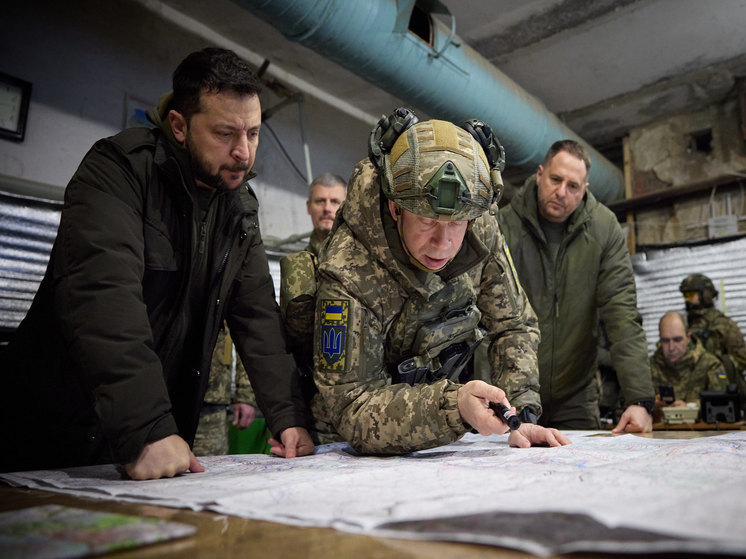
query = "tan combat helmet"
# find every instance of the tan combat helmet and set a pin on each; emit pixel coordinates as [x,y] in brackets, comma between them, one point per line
[434,169]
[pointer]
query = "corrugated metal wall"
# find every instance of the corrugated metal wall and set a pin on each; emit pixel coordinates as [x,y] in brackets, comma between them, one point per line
[28,227]
[658,273]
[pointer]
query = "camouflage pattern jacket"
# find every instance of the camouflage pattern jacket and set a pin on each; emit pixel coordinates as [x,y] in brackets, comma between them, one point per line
[696,370]
[719,334]
[221,374]
[297,302]
[592,276]
[368,305]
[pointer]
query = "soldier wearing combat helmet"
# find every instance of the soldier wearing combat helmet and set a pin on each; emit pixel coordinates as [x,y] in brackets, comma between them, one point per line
[718,333]
[415,276]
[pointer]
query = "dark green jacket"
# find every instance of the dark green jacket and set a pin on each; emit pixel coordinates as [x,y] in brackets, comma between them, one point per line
[105,360]
[592,279]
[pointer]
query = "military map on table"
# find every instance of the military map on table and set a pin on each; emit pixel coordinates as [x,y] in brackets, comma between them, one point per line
[602,493]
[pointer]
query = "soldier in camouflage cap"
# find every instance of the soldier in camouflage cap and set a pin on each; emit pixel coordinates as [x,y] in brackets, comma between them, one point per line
[415,275]
[718,333]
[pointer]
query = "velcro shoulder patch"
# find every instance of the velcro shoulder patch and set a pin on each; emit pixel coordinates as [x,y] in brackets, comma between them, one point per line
[335,321]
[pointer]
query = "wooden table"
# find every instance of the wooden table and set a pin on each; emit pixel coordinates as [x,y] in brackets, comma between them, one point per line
[229,536]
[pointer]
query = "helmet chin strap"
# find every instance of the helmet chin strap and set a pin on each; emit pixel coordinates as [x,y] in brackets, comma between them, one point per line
[412,259]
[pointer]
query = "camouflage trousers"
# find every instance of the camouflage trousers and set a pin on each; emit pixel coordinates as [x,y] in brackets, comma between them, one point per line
[211,438]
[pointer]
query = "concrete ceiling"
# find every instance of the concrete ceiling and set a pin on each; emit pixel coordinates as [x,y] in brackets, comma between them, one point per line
[603,66]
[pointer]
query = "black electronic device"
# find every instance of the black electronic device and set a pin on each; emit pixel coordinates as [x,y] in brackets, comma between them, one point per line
[667,394]
[720,406]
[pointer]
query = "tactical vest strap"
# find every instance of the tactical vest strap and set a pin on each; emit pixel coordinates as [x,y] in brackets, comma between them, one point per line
[450,363]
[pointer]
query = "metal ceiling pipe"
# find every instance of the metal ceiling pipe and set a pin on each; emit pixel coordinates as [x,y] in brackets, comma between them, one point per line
[443,77]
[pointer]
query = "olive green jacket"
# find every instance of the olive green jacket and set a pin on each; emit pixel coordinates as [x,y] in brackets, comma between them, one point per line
[364,291]
[696,370]
[592,279]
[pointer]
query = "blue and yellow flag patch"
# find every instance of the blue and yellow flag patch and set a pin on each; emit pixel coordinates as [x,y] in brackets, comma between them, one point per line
[335,315]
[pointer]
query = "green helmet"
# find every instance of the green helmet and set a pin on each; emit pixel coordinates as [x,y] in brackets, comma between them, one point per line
[435,169]
[699,283]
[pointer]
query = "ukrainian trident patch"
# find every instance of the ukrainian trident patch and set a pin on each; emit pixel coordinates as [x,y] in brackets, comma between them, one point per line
[334,321]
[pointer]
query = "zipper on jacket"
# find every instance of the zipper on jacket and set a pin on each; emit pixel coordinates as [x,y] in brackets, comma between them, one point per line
[202,237]
[224,261]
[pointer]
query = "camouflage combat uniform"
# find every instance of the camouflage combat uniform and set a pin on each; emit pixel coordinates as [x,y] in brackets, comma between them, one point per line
[297,303]
[298,308]
[696,370]
[719,334]
[372,306]
[211,438]
[722,337]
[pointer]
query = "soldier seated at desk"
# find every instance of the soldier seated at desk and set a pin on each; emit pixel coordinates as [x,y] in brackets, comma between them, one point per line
[682,362]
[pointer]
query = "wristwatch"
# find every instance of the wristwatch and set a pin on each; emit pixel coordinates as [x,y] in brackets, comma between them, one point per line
[649,405]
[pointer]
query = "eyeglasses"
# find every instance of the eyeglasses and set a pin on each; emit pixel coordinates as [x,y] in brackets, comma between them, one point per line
[690,294]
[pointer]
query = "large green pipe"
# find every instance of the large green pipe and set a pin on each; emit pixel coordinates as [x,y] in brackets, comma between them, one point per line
[448,80]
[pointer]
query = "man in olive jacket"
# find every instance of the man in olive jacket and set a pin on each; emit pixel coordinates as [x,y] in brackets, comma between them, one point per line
[572,260]
[158,243]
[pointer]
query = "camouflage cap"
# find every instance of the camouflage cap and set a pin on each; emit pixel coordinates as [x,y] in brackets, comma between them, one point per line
[438,170]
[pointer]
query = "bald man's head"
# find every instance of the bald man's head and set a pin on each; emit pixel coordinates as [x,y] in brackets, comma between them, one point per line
[674,338]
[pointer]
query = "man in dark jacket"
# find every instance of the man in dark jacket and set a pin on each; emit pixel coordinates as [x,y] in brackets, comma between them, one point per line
[158,243]
[572,260]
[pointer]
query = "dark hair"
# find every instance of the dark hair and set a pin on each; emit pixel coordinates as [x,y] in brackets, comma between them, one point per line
[573,148]
[210,70]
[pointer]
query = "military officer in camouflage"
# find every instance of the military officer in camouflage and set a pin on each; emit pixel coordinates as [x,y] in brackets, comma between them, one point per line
[413,278]
[682,362]
[298,270]
[211,438]
[718,333]
[298,288]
